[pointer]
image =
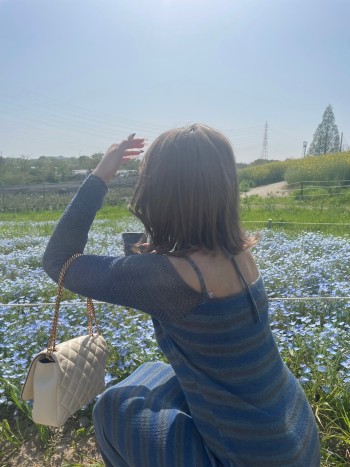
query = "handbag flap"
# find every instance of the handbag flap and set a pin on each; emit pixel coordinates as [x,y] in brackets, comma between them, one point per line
[27,389]
[90,348]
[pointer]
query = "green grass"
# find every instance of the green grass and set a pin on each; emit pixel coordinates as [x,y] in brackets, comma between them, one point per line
[43,222]
[54,215]
[255,211]
[289,215]
[294,215]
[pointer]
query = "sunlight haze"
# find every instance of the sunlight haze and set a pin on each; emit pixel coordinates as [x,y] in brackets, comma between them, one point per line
[77,76]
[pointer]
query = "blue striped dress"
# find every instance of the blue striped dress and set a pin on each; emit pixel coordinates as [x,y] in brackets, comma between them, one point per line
[226,398]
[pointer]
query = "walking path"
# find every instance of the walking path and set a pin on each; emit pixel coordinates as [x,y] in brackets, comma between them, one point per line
[276,189]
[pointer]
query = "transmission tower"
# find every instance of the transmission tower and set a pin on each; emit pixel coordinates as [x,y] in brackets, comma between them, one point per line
[264,151]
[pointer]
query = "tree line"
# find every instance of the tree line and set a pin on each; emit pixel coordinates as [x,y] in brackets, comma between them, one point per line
[19,171]
[46,169]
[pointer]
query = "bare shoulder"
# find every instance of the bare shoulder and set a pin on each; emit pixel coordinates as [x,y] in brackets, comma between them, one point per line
[220,276]
[247,265]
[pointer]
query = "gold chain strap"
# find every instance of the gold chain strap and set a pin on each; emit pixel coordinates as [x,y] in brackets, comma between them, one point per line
[90,310]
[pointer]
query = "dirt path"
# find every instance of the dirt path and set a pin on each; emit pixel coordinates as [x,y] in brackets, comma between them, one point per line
[276,189]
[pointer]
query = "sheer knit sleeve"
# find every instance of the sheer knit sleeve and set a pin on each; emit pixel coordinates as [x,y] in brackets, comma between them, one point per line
[147,282]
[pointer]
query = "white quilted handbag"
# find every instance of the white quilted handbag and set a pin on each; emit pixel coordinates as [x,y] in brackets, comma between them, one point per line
[66,376]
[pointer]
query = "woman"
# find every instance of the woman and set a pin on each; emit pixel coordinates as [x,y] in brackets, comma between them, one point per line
[226,398]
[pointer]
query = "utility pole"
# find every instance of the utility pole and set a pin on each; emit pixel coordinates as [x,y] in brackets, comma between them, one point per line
[304,148]
[264,151]
[341,142]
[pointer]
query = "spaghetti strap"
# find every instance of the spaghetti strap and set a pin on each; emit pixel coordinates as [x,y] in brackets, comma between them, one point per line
[238,269]
[253,302]
[207,295]
[204,290]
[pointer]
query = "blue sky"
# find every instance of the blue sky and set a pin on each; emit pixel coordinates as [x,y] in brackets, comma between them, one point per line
[78,75]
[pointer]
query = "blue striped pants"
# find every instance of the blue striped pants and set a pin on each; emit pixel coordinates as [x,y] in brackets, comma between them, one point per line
[144,421]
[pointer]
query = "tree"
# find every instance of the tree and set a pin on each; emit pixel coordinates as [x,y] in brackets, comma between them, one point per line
[326,136]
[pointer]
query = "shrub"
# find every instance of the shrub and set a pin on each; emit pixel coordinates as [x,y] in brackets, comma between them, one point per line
[330,167]
[264,174]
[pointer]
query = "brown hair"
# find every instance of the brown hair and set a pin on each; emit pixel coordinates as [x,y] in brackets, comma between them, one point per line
[187,195]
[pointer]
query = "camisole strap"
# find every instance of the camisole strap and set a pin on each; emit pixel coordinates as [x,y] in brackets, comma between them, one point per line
[204,290]
[238,269]
[252,299]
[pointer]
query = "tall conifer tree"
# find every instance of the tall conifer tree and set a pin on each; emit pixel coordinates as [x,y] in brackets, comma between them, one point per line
[326,136]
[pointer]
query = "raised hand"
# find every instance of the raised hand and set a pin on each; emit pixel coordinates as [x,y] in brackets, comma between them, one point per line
[114,156]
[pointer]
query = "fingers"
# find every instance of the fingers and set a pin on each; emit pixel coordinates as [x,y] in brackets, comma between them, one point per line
[123,149]
[129,154]
[126,145]
[136,141]
[132,143]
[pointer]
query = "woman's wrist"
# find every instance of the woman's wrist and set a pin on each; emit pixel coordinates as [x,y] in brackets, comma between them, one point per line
[100,179]
[102,175]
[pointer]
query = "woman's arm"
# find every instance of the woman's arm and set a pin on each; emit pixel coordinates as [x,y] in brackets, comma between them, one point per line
[142,281]
[146,282]
[71,234]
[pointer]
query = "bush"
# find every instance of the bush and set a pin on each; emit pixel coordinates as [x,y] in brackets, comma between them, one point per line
[246,185]
[263,174]
[330,167]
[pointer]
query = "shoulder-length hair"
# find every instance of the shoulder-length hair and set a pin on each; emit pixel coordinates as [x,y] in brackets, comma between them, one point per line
[187,194]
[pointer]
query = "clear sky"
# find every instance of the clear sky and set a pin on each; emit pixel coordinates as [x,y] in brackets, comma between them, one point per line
[78,75]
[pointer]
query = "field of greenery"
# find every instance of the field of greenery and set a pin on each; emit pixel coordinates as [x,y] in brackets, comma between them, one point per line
[323,168]
[312,334]
[313,178]
[47,197]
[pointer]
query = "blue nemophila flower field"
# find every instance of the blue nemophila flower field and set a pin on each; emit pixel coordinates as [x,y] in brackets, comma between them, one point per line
[313,335]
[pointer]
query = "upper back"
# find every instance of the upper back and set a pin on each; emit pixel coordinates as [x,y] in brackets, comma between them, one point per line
[220,276]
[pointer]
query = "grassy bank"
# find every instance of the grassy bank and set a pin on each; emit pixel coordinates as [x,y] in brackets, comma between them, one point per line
[291,216]
[286,213]
[327,167]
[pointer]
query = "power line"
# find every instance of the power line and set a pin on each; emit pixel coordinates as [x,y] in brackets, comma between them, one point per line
[79,110]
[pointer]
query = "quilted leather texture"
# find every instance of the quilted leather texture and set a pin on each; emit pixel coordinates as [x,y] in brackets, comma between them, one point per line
[73,379]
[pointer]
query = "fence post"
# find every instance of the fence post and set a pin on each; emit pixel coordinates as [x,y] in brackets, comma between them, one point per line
[2,196]
[269,225]
[302,189]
